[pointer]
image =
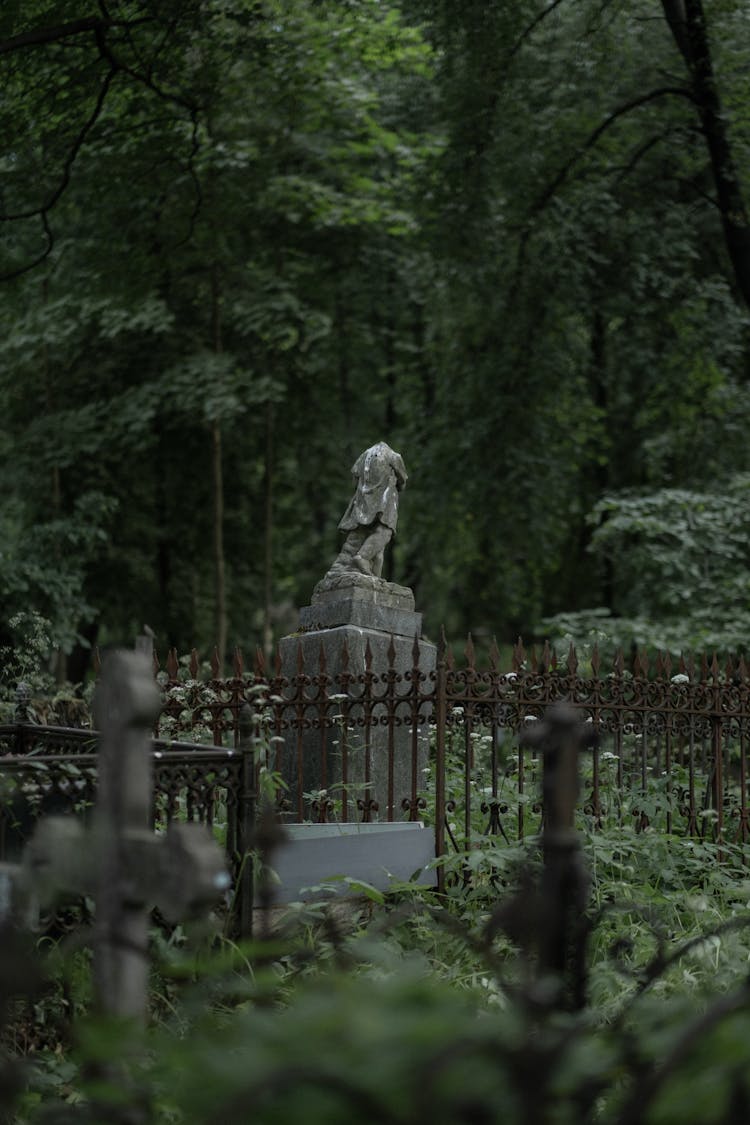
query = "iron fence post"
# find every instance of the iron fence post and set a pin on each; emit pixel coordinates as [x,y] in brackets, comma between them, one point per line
[441,713]
[246,803]
[718,780]
[21,716]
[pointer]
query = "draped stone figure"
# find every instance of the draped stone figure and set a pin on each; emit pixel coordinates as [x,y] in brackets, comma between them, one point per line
[372,514]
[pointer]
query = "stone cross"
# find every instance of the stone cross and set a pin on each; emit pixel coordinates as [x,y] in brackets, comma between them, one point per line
[126,867]
[561,736]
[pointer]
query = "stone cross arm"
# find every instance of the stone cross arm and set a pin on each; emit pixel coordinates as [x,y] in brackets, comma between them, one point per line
[182,873]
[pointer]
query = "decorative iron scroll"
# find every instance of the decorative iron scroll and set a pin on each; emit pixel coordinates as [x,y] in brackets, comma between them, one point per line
[191,782]
[673,738]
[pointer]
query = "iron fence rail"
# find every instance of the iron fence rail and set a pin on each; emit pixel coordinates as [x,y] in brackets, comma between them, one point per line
[673,735]
[672,750]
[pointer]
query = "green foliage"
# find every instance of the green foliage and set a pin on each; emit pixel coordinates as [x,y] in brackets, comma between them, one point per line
[24,660]
[282,230]
[376,1014]
[681,581]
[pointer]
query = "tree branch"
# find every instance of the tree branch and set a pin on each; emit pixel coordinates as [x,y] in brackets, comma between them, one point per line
[195,146]
[638,154]
[40,258]
[676,17]
[38,36]
[699,191]
[531,28]
[99,27]
[663,91]
[70,159]
[543,199]
[146,80]
[646,1089]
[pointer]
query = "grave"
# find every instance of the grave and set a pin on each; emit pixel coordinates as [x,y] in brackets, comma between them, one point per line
[374,853]
[359,643]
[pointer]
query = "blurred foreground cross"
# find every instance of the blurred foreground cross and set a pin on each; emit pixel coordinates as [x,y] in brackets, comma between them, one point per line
[561,921]
[126,867]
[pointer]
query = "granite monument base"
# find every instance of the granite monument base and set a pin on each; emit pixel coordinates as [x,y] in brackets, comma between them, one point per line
[357,732]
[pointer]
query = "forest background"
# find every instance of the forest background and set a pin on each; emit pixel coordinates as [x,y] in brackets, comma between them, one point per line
[244,239]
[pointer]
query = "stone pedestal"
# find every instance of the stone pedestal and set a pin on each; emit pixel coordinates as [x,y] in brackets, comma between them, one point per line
[356,671]
[370,604]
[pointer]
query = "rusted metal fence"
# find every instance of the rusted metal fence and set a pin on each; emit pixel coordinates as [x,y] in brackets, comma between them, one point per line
[673,736]
[47,769]
[672,751]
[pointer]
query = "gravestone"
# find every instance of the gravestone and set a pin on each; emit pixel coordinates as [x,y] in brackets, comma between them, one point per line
[335,854]
[359,633]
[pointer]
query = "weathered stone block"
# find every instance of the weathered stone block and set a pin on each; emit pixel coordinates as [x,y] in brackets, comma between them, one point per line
[361,731]
[386,612]
[370,853]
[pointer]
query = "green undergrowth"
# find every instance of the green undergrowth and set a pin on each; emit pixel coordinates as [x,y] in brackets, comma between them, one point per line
[408,1007]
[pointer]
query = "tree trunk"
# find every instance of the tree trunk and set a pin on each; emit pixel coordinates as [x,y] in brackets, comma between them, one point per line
[220,592]
[60,658]
[391,418]
[163,539]
[598,381]
[268,557]
[687,23]
[345,390]
[217,481]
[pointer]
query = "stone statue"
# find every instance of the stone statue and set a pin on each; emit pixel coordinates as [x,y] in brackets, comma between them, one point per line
[370,519]
[357,630]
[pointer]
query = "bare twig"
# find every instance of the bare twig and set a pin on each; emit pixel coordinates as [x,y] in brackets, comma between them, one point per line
[649,1085]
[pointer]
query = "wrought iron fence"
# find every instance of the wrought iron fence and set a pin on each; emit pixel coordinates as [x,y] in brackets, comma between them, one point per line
[672,753]
[440,745]
[47,769]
